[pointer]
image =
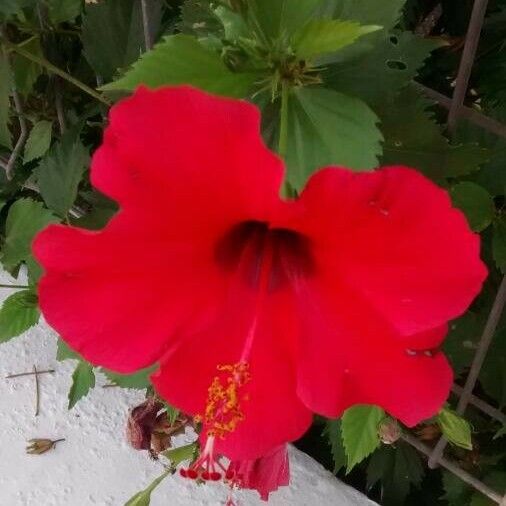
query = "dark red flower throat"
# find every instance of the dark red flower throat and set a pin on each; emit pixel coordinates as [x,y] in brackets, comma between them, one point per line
[263,255]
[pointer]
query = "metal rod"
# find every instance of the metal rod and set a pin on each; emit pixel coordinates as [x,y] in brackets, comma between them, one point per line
[467,61]
[146,26]
[482,405]
[455,469]
[476,117]
[479,357]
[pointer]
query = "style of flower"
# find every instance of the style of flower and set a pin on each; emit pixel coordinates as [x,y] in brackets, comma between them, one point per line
[259,310]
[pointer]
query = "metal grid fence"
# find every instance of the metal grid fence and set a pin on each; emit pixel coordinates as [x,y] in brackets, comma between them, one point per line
[457,111]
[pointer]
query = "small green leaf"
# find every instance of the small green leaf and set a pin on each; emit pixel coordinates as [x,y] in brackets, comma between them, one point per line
[499,244]
[38,141]
[181,59]
[475,202]
[26,217]
[83,380]
[326,36]
[143,498]
[328,128]
[64,352]
[359,427]
[5,92]
[180,454]
[455,428]
[19,312]
[333,433]
[59,173]
[138,380]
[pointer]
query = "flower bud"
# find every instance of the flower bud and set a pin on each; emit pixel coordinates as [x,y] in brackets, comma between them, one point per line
[389,431]
[39,446]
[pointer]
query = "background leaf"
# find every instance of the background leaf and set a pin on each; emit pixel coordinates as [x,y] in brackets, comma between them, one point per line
[26,217]
[38,141]
[326,36]
[475,202]
[139,380]
[181,59]
[337,130]
[359,428]
[18,313]
[112,34]
[334,435]
[143,498]
[60,172]
[83,380]
[5,91]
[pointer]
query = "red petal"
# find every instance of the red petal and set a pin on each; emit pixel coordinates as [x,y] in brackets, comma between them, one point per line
[393,237]
[185,167]
[358,359]
[273,413]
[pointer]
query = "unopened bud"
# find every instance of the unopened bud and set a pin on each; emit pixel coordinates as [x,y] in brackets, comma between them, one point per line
[389,431]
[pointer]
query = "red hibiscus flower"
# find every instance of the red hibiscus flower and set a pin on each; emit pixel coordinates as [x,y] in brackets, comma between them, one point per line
[258,310]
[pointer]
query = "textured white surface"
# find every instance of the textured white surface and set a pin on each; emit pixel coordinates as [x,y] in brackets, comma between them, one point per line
[95,466]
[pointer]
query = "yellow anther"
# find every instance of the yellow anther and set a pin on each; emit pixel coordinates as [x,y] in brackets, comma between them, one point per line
[223,411]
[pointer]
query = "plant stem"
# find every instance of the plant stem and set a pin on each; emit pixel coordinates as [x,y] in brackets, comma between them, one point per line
[31,373]
[55,70]
[37,391]
[287,190]
[14,286]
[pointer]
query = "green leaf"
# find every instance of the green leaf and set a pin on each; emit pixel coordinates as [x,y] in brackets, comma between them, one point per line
[26,71]
[412,138]
[359,428]
[26,217]
[5,91]
[333,433]
[455,428]
[19,312]
[457,492]
[397,468]
[180,454]
[475,202]
[391,64]
[499,244]
[377,12]
[500,433]
[172,413]
[60,172]
[63,10]
[112,34]
[462,341]
[138,380]
[83,380]
[38,141]
[281,18]
[181,59]
[143,498]
[326,36]
[200,19]
[328,128]
[496,480]
[64,352]
[493,371]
